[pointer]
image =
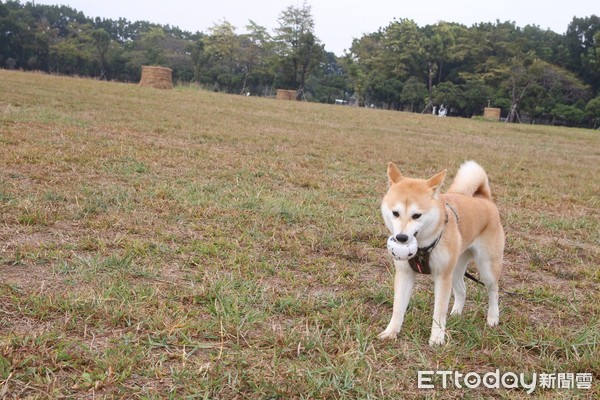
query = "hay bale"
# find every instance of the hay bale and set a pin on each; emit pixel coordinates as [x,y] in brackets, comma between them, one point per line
[491,113]
[284,94]
[157,77]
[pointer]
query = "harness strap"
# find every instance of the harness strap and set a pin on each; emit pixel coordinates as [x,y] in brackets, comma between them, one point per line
[420,262]
[451,207]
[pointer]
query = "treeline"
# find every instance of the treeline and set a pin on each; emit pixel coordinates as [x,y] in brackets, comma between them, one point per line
[533,75]
[59,39]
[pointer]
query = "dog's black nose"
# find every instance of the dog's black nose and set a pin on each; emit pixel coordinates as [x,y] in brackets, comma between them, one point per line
[402,238]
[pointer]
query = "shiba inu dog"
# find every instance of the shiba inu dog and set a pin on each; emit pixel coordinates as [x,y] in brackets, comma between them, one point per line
[451,230]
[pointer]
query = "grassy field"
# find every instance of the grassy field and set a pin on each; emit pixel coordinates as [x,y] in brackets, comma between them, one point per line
[187,244]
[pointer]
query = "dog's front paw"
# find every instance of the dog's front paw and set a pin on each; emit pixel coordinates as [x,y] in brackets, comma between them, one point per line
[492,321]
[456,311]
[437,339]
[388,334]
[436,342]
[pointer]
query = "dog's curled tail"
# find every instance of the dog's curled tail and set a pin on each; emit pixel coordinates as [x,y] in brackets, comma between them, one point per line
[471,180]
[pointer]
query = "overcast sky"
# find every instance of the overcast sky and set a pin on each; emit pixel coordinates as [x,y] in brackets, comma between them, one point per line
[337,22]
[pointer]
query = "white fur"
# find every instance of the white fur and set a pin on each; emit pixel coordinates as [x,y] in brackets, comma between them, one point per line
[470,178]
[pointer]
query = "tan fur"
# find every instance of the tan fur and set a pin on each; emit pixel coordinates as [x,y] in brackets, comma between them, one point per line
[477,235]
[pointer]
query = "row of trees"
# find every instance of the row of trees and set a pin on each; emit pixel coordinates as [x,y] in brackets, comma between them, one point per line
[534,75]
[59,39]
[545,76]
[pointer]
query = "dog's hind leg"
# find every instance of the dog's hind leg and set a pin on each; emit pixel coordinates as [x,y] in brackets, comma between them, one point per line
[458,283]
[404,281]
[489,267]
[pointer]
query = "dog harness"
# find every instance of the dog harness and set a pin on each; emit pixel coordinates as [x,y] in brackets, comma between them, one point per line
[420,262]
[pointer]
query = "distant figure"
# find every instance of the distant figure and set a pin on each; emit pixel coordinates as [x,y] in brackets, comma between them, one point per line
[443,111]
[434,110]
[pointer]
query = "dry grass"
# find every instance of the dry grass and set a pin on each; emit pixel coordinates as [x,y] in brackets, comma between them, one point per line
[182,243]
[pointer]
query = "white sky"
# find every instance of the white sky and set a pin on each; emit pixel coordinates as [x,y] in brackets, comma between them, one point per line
[337,22]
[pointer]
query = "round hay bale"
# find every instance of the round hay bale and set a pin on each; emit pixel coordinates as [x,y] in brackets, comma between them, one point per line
[157,77]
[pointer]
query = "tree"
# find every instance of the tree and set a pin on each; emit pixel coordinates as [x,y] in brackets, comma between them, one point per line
[413,93]
[569,114]
[475,95]
[529,79]
[403,50]
[256,51]
[592,110]
[387,59]
[385,89]
[299,49]
[328,81]
[447,93]
[590,63]
[150,42]
[17,38]
[361,62]
[583,47]
[222,45]
[357,78]
[520,74]
[438,39]
[102,44]
[197,52]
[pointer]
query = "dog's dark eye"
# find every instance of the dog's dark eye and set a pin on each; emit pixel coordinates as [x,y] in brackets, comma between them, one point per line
[396,214]
[416,216]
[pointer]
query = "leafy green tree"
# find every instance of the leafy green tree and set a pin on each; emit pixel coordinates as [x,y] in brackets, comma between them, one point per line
[223,46]
[387,59]
[403,49]
[583,48]
[590,63]
[328,81]
[16,36]
[74,53]
[151,43]
[438,41]
[447,93]
[199,56]
[102,43]
[475,95]
[517,77]
[545,45]
[299,49]
[256,56]
[413,94]
[361,62]
[385,90]
[592,110]
[559,86]
[572,115]
[357,78]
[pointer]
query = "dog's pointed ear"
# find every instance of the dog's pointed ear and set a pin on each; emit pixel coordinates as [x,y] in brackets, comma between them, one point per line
[436,181]
[394,175]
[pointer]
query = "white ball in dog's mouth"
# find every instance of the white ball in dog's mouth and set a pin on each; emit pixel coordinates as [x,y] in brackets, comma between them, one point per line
[402,251]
